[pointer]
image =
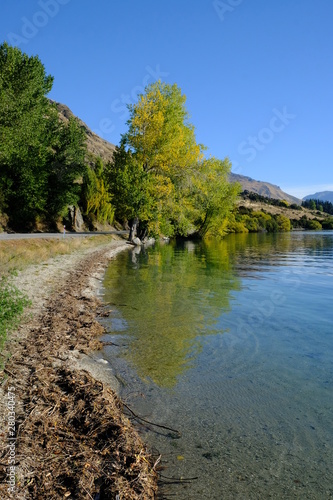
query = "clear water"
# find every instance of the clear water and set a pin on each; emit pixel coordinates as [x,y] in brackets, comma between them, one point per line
[231,343]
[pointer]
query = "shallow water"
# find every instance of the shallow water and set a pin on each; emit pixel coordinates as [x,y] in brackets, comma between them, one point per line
[231,343]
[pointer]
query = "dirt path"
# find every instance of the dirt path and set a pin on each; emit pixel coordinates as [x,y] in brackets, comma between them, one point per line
[71,438]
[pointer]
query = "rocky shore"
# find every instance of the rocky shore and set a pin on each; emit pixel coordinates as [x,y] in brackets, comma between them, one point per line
[63,432]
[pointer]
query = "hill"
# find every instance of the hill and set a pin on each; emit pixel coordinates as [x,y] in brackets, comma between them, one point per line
[256,213]
[95,144]
[321,195]
[263,188]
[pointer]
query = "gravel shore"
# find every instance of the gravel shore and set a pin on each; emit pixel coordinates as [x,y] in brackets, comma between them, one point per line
[71,438]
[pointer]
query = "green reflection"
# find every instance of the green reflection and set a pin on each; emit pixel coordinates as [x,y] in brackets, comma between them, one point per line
[170,296]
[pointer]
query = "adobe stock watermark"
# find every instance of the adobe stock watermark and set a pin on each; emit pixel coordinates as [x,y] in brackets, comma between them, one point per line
[11,433]
[119,105]
[225,7]
[257,143]
[31,27]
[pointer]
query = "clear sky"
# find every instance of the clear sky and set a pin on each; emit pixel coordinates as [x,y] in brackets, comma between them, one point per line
[258,74]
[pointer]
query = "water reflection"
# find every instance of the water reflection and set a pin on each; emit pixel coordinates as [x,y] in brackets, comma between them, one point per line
[252,315]
[170,296]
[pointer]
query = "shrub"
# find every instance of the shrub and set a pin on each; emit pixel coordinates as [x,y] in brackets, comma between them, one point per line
[283,223]
[327,224]
[12,304]
[313,225]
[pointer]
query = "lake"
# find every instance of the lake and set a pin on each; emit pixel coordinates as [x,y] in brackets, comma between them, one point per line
[230,343]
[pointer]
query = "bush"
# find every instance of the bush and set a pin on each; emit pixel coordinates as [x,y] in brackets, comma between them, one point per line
[283,223]
[313,225]
[327,224]
[12,304]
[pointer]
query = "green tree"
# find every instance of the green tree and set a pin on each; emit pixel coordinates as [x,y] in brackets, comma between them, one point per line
[40,157]
[313,225]
[65,165]
[130,185]
[213,196]
[23,156]
[328,223]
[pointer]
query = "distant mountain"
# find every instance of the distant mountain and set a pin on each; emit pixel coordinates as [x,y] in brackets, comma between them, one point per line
[322,196]
[263,188]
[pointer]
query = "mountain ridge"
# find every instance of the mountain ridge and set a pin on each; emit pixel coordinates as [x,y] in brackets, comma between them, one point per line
[320,195]
[263,188]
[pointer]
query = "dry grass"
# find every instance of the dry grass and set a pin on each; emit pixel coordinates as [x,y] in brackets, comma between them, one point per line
[288,212]
[19,254]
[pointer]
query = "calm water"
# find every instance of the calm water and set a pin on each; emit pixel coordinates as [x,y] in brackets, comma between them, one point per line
[231,343]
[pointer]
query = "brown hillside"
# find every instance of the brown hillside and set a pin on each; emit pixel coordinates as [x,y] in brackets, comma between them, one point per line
[95,144]
[258,206]
[263,188]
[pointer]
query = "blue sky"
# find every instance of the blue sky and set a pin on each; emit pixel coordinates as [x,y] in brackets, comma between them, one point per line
[257,74]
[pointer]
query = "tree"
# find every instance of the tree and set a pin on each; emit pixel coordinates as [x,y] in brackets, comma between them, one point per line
[65,165]
[328,223]
[40,156]
[160,135]
[96,197]
[23,155]
[313,225]
[159,176]
[213,196]
[283,223]
[155,157]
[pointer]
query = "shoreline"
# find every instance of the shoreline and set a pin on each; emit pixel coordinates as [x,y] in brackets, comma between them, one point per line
[72,439]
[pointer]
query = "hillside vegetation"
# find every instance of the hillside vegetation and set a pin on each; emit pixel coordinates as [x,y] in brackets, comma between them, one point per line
[256,213]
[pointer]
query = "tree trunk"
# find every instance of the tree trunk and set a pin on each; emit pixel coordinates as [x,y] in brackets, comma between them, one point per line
[142,233]
[133,227]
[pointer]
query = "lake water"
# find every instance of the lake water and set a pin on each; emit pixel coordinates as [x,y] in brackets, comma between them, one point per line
[231,343]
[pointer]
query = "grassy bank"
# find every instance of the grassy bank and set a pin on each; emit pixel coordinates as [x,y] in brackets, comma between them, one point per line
[16,255]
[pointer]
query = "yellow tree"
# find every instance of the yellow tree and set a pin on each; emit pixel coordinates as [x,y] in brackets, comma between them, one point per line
[160,134]
[159,175]
[96,197]
[158,151]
